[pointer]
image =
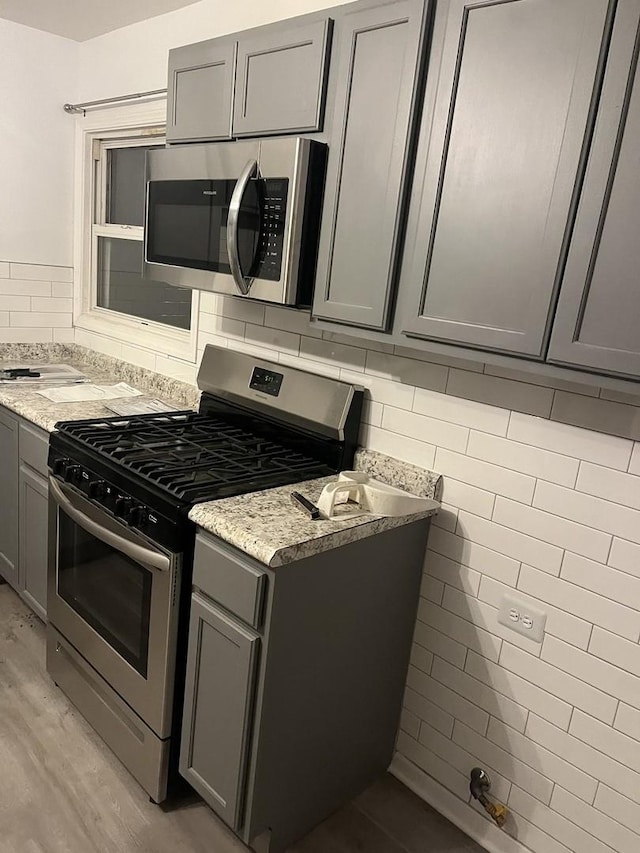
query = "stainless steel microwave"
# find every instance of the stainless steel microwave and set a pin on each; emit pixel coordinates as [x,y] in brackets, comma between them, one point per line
[236,217]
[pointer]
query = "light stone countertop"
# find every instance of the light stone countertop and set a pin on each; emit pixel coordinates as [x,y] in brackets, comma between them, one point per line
[23,399]
[267,526]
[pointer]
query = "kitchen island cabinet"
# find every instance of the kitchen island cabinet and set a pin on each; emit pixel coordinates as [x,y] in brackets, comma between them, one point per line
[9,480]
[292,708]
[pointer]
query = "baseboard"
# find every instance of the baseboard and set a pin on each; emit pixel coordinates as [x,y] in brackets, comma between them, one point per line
[460,813]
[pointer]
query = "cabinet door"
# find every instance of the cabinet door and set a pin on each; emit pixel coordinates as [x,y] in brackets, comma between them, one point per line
[9,492]
[200,91]
[281,80]
[597,322]
[378,52]
[34,526]
[509,90]
[218,703]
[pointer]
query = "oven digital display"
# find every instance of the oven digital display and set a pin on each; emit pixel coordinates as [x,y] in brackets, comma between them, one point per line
[266,381]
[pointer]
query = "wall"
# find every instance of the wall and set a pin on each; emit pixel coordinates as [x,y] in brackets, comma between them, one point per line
[36,176]
[530,504]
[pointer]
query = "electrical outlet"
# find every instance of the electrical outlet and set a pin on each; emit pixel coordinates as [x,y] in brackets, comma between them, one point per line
[521,616]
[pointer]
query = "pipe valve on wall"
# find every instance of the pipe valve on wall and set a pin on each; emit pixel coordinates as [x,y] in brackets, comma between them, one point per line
[480,785]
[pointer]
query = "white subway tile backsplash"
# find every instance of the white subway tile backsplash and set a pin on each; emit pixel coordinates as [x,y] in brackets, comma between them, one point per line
[452,573]
[543,760]
[571,441]
[466,497]
[437,358]
[424,428]
[524,458]
[488,645]
[136,355]
[469,712]
[39,272]
[317,349]
[381,390]
[48,303]
[523,692]
[441,769]
[590,511]
[463,759]
[595,414]
[398,446]
[550,678]
[456,410]
[509,542]
[446,517]
[548,527]
[532,377]
[63,336]
[533,399]
[634,464]
[617,651]
[4,269]
[628,721]
[40,319]
[620,808]
[15,303]
[431,589]
[618,586]
[561,624]
[24,336]
[609,484]
[352,340]
[407,370]
[586,757]
[415,700]
[563,830]
[485,475]
[287,319]
[440,644]
[478,693]
[583,603]
[611,742]
[421,658]
[602,827]
[507,764]
[18,287]
[615,682]
[409,723]
[59,288]
[469,553]
[273,339]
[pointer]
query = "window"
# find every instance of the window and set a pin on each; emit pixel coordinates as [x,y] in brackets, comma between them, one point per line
[115,300]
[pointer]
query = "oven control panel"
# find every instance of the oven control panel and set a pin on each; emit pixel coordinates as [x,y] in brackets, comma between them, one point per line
[123,506]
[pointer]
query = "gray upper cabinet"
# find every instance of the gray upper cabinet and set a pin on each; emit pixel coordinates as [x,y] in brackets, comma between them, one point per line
[200,91]
[597,322]
[281,80]
[377,55]
[9,480]
[221,667]
[508,97]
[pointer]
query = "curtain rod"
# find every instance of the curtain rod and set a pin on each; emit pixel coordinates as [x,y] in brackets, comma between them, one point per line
[81,108]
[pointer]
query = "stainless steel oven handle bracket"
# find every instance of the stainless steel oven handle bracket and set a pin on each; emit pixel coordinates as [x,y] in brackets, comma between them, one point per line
[142,555]
[250,171]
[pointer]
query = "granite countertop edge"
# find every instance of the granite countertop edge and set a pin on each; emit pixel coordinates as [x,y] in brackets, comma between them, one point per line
[267,527]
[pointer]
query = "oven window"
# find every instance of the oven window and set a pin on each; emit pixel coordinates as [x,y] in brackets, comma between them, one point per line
[108,590]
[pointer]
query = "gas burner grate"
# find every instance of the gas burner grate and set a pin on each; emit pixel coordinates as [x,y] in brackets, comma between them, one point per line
[196,457]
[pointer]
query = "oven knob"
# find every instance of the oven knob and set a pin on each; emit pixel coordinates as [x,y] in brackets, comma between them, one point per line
[97,489]
[137,515]
[60,465]
[72,473]
[122,505]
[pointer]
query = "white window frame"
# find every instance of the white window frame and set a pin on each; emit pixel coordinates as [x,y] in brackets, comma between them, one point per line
[140,122]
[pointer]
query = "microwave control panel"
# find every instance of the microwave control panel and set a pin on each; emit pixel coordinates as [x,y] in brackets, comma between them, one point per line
[274,207]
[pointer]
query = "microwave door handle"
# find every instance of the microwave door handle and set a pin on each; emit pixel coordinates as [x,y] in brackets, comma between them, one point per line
[250,170]
[152,559]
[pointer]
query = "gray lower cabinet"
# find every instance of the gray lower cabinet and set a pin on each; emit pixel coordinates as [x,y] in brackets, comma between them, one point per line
[200,91]
[377,54]
[295,677]
[9,492]
[597,323]
[508,96]
[280,81]
[33,526]
[217,710]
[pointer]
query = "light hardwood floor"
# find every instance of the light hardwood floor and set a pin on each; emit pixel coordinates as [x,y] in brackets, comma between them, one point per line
[62,791]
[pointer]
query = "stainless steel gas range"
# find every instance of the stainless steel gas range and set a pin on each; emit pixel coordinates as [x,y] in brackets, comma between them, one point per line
[121,545]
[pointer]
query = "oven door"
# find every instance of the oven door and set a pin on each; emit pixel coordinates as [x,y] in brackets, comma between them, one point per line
[114,596]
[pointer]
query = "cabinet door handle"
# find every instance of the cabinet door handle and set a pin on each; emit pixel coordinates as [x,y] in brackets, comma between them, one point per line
[250,170]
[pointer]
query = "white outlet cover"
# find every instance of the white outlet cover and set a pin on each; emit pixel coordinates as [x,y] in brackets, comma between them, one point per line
[531,622]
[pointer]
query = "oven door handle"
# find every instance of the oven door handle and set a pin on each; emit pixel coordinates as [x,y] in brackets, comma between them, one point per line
[145,556]
[250,170]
